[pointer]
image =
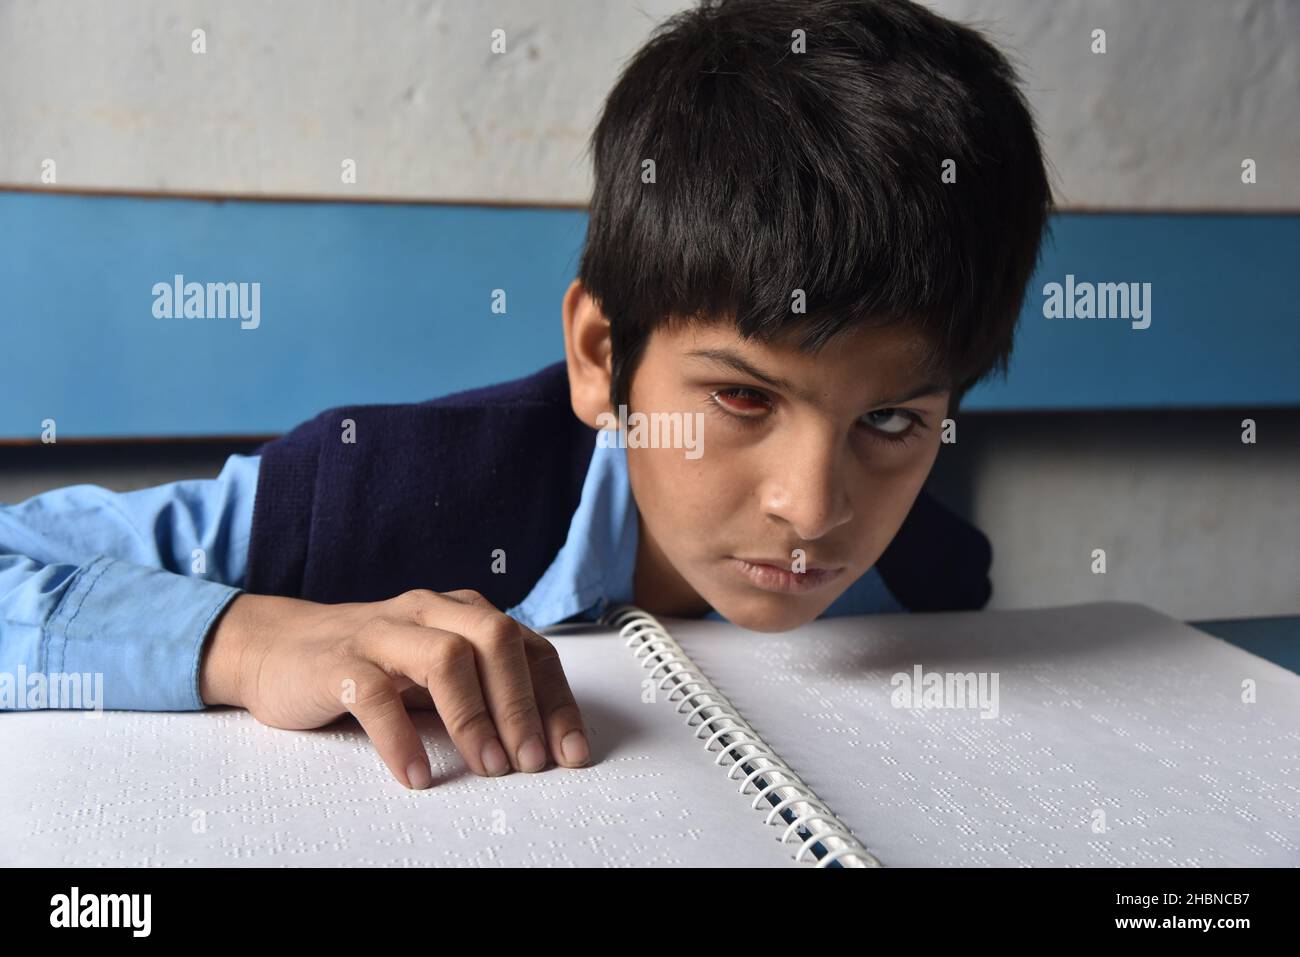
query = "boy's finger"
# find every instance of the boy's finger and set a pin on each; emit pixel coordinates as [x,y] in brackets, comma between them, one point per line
[503,668]
[444,663]
[563,721]
[557,708]
[377,705]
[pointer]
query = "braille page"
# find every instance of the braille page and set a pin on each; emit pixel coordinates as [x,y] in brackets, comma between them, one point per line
[1121,737]
[218,788]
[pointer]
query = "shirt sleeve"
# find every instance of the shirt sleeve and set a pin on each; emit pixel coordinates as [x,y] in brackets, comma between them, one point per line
[112,594]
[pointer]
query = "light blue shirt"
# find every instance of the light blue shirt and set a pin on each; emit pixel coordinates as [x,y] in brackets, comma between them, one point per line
[127,585]
[94,582]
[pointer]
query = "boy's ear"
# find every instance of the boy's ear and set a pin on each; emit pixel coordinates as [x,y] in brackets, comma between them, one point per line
[587,353]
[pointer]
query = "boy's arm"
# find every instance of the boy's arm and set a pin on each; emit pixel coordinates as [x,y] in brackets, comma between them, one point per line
[96,582]
[123,585]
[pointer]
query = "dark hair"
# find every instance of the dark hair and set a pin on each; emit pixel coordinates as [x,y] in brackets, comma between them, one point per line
[819,170]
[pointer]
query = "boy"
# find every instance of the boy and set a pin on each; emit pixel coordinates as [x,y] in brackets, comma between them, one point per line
[812,227]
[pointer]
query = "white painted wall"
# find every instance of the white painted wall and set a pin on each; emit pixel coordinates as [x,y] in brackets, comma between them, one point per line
[1192,521]
[410,90]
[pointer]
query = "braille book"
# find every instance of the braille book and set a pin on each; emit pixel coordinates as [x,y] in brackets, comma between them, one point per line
[1097,734]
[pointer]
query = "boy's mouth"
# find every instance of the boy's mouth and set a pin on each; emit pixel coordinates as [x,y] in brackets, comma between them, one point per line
[770,576]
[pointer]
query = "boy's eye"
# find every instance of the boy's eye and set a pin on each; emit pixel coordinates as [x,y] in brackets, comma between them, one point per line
[889,421]
[893,425]
[739,399]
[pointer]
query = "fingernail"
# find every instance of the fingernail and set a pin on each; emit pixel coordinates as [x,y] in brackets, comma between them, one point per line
[532,754]
[494,758]
[574,748]
[418,776]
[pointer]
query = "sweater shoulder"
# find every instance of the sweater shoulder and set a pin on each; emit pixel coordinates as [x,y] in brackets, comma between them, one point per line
[546,390]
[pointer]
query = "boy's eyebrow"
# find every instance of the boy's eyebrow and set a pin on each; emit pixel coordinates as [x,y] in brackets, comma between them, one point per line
[739,363]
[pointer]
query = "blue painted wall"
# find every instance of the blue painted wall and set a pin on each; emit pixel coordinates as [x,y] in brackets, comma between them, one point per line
[1225,327]
[379,302]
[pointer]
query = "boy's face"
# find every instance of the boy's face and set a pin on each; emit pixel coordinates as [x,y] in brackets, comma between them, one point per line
[827,458]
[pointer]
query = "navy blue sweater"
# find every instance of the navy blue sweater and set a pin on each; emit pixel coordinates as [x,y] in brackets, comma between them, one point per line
[428,490]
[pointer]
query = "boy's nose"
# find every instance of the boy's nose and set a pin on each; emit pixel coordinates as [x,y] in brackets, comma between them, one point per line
[812,500]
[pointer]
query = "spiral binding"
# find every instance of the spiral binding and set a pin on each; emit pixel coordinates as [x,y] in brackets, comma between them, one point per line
[793,803]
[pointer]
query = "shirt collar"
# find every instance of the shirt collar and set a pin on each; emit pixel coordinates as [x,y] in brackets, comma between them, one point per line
[594,568]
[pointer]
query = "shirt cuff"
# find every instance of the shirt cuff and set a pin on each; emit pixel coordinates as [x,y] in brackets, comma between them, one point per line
[140,629]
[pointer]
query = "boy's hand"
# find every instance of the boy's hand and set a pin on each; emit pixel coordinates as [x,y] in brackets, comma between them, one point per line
[297,664]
